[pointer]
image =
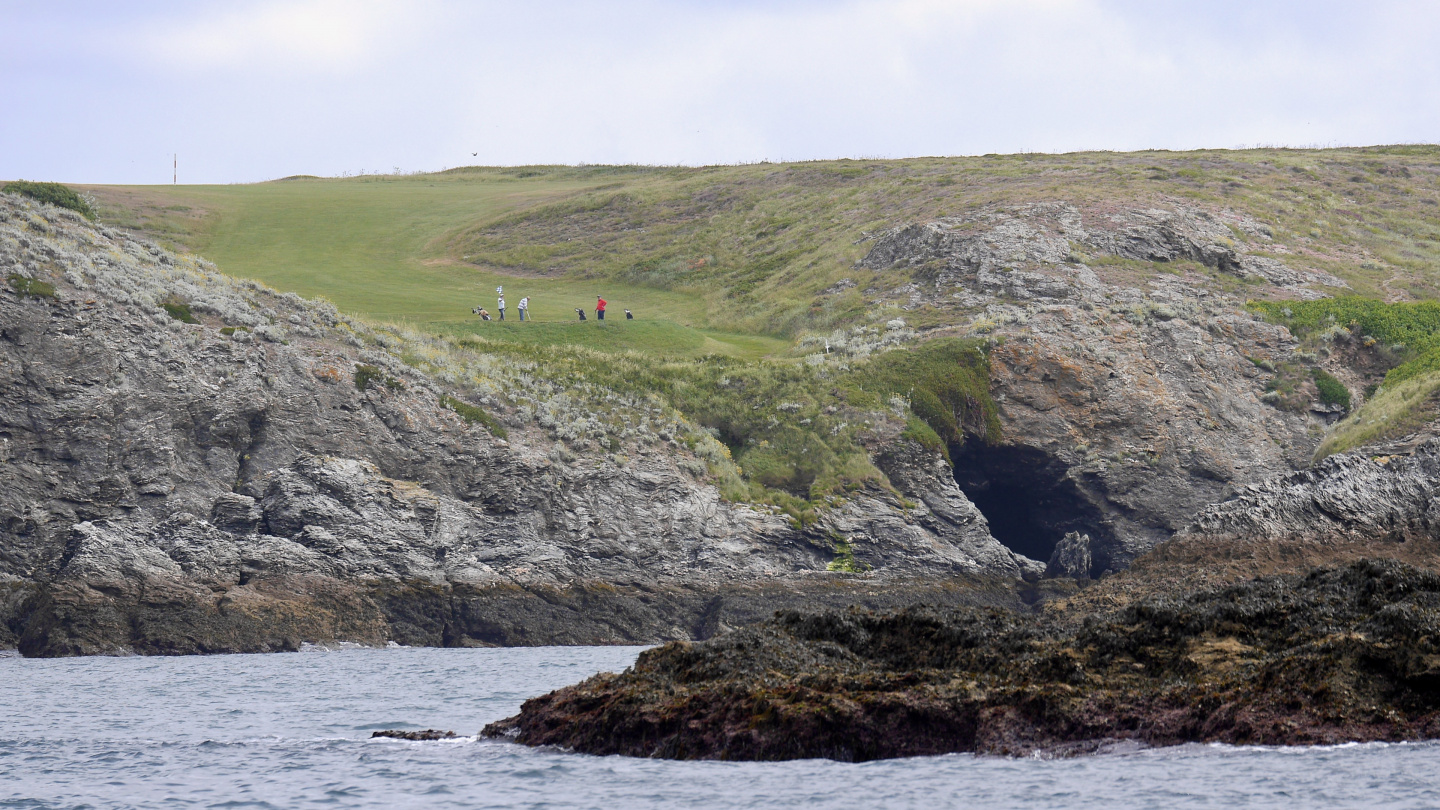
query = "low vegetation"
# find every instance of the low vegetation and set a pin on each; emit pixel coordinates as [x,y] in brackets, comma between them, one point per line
[790,434]
[367,374]
[1402,337]
[1392,412]
[32,287]
[52,193]
[1331,390]
[180,311]
[1409,332]
[475,416]
[765,249]
[845,561]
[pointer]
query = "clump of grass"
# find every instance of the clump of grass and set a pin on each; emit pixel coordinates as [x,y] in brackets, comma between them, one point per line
[179,310]
[52,193]
[227,331]
[32,287]
[366,374]
[1393,411]
[845,561]
[1412,328]
[1331,390]
[947,384]
[475,416]
[1292,388]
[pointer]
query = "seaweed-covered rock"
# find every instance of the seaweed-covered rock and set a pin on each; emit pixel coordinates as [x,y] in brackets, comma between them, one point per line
[1335,655]
[415,736]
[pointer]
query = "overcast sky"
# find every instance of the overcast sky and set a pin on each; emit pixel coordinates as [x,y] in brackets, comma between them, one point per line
[244,91]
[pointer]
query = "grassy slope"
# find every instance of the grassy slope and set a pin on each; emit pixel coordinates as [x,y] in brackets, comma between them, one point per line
[765,240]
[751,246]
[370,245]
[749,249]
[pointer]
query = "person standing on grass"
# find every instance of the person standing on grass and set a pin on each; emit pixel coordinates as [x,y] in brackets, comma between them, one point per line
[502,306]
[522,306]
[599,308]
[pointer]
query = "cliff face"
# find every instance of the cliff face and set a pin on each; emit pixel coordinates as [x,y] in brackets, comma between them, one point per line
[234,484]
[1129,400]
[1348,506]
[190,463]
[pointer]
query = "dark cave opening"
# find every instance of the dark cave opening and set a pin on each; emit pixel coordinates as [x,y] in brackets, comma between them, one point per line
[1026,496]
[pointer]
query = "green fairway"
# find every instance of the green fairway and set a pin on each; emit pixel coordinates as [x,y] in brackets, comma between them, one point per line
[376,248]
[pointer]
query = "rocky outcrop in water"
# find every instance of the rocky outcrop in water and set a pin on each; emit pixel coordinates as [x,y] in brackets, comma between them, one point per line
[415,736]
[193,464]
[1346,654]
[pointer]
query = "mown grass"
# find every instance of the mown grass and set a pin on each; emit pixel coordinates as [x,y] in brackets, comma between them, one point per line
[375,247]
[660,337]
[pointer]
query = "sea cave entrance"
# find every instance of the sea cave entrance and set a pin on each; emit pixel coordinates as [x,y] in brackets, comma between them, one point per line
[1026,497]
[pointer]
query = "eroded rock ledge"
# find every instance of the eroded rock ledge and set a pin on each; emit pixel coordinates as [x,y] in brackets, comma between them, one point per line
[1343,654]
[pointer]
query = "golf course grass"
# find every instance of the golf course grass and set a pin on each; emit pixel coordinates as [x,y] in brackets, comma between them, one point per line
[375,248]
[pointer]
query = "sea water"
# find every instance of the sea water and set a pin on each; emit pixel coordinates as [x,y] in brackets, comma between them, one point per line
[293,731]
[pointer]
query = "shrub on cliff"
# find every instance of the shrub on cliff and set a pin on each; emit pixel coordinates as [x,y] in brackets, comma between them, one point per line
[32,287]
[1411,328]
[52,193]
[179,310]
[1332,391]
[475,416]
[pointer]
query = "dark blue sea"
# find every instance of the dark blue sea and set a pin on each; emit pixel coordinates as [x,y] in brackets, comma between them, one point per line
[292,731]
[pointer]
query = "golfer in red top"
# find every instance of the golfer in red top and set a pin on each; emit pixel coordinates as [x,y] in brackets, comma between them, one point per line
[599,308]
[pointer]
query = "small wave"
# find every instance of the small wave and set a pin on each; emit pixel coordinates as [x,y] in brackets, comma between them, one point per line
[334,646]
[1310,749]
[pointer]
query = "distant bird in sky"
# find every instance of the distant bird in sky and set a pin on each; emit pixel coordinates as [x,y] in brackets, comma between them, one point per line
[474,154]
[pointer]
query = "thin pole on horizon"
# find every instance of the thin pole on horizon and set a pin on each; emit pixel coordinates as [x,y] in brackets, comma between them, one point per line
[174,169]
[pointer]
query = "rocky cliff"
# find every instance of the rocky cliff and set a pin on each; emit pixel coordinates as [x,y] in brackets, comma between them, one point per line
[1130,399]
[190,464]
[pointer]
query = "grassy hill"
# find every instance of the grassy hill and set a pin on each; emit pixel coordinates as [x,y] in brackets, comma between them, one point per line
[744,260]
[377,247]
[748,248]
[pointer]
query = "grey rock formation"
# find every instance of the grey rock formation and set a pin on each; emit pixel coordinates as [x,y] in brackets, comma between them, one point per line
[1072,557]
[1130,399]
[229,485]
[1373,500]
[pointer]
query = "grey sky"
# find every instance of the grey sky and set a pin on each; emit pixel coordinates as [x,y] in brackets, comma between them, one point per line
[104,92]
